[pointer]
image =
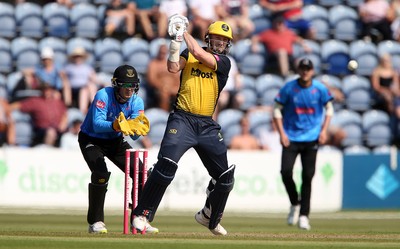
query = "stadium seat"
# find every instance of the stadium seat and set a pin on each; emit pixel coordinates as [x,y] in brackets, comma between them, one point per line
[108,54]
[252,64]
[378,135]
[373,117]
[335,82]
[319,18]
[8,27]
[25,52]
[329,3]
[267,82]
[6,61]
[392,48]
[314,55]
[353,3]
[356,150]
[155,44]
[351,122]
[135,52]
[353,82]
[381,149]
[268,97]
[84,20]
[243,47]
[335,57]
[59,47]
[344,22]
[23,128]
[249,98]
[247,81]
[56,18]
[158,119]
[366,55]
[29,20]
[357,90]
[259,120]
[229,117]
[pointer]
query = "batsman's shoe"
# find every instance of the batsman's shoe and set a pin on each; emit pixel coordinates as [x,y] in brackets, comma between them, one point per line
[304,223]
[293,216]
[140,223]
[98,227]
[203,220]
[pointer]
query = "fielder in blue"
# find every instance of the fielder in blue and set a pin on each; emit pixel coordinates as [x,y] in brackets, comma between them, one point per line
[115,111]
[302,113]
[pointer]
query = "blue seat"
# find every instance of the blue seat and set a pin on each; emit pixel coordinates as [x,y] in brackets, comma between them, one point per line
[314,55]
[87,44]
[354,82]
[392,48]
[133,45]
[108,54]
[29,19]
[84,20]
[56,18]
[359,100]
[344,22]
[250,98]
[330,80]
[247,81]
[259,121]
[158,119]
[8,27]
[373,117]
[6,61]
[366,54]
[155,44]
[25,52]
[335,57]
[229,117]
[23,128]
[353,3]
[356,150]
[319,19]
[243,47]
[139,60]
[378,135]
[329,3]
[268,97]
[252,64]
[267,82]
[347,117]
[59,47]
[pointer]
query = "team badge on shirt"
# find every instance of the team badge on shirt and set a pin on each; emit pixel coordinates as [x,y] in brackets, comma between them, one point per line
[100,104]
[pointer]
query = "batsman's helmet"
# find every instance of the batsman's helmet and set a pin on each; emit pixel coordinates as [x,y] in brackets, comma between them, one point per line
[125,76]
[219,28]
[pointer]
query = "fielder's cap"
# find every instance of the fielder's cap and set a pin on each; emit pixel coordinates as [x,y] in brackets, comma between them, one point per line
[47,53]
[305,63]
[125,74]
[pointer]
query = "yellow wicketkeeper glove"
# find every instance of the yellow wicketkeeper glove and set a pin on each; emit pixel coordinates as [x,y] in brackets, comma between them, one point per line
[122,125]
[140,125]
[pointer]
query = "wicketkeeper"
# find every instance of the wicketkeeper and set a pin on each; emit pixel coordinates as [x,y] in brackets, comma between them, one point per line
[115,111]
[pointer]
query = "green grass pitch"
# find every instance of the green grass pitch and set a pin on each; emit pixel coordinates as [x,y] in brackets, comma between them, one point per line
[68,229]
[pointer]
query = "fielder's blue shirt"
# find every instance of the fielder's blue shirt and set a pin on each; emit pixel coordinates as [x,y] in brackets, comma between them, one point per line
[105,109]
[303,109]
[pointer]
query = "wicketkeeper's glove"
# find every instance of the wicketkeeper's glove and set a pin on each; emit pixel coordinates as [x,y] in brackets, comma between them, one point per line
[177,25]
[122,125]
[140,125]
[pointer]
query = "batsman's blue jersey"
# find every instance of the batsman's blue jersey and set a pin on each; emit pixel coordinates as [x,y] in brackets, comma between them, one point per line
[303,109]
[105,109]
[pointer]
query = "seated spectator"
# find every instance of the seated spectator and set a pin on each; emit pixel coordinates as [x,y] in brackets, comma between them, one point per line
[171,7]
[291,10]
[48,113]
[374,20]
[236,13]
[49,72]
[69,139]
[82,79]
[164,84]
[119,17]
[7,125]
[148,12]
[385,84]
[245,140]
[279,41]
[203,13]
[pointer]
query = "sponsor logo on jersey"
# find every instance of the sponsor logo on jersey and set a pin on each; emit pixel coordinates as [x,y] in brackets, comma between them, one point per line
[198,73]
[100,104]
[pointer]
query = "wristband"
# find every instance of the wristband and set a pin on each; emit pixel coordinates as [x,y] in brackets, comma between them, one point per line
[174,48]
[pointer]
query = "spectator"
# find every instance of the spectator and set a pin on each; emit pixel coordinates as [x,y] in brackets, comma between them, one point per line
[171,7]
[49,72]
[291,10]
[82,78]
[236,13]
[48,113]
[147,11]
[164,83]
[385,84]
[374,20]
[203,14]
[119,17]
[245,140]
[279,41]
[7,125]
[69,139]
